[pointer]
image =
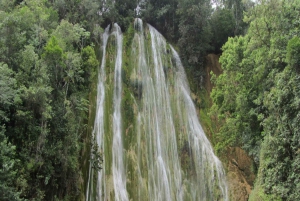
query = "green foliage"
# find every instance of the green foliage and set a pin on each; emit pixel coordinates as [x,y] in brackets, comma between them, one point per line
[194,30]
[293,52]
[125,10]
[256,99]
[89,65]
[48,63]
[8,92]
[70,36]
[8,170]
[196,27]
[46,72]
[6,5]
[222,23]
[237,7]
[195,36]
[281,145]
[162,14]
[96,159]
[53,52]
[233,99]
[258,194]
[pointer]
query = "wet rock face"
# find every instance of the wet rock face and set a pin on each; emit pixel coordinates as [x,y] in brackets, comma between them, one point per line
[147,125]
[239,174]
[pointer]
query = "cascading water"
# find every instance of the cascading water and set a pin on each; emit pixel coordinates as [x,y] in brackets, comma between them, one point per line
[164,175]
[208,168]
[119,177]
[147,127]
[98,131]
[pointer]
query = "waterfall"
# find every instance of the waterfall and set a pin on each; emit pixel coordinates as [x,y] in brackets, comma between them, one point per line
[119,177]
[202,152]
[98,131]
[147,127]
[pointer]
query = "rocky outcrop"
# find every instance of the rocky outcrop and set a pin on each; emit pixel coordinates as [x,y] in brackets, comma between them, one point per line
[240,174]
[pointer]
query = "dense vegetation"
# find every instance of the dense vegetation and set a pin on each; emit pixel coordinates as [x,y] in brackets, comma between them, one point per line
[48,63]
[257,98]
[196,28]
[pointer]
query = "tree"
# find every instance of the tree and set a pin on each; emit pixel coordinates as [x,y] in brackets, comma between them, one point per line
[8,97]
[257,97]
[222,25]
[293,52]
[43,105]
[162,15]
[89,65]
[8,170]
[195,34]
[237,7]
[279,169]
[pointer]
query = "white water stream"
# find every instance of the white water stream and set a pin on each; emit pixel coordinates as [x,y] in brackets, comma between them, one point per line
[98,131]
[119,177]
[168,157]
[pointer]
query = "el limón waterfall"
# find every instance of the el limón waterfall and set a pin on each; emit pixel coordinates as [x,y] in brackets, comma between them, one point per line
[146,125]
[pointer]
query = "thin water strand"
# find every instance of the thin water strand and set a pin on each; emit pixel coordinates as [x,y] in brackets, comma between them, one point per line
[119,176]
[155,122]
[98,131]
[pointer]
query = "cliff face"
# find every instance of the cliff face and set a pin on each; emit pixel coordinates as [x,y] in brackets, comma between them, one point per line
[238,165]
[212,65]
[240,176]
[146,125]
